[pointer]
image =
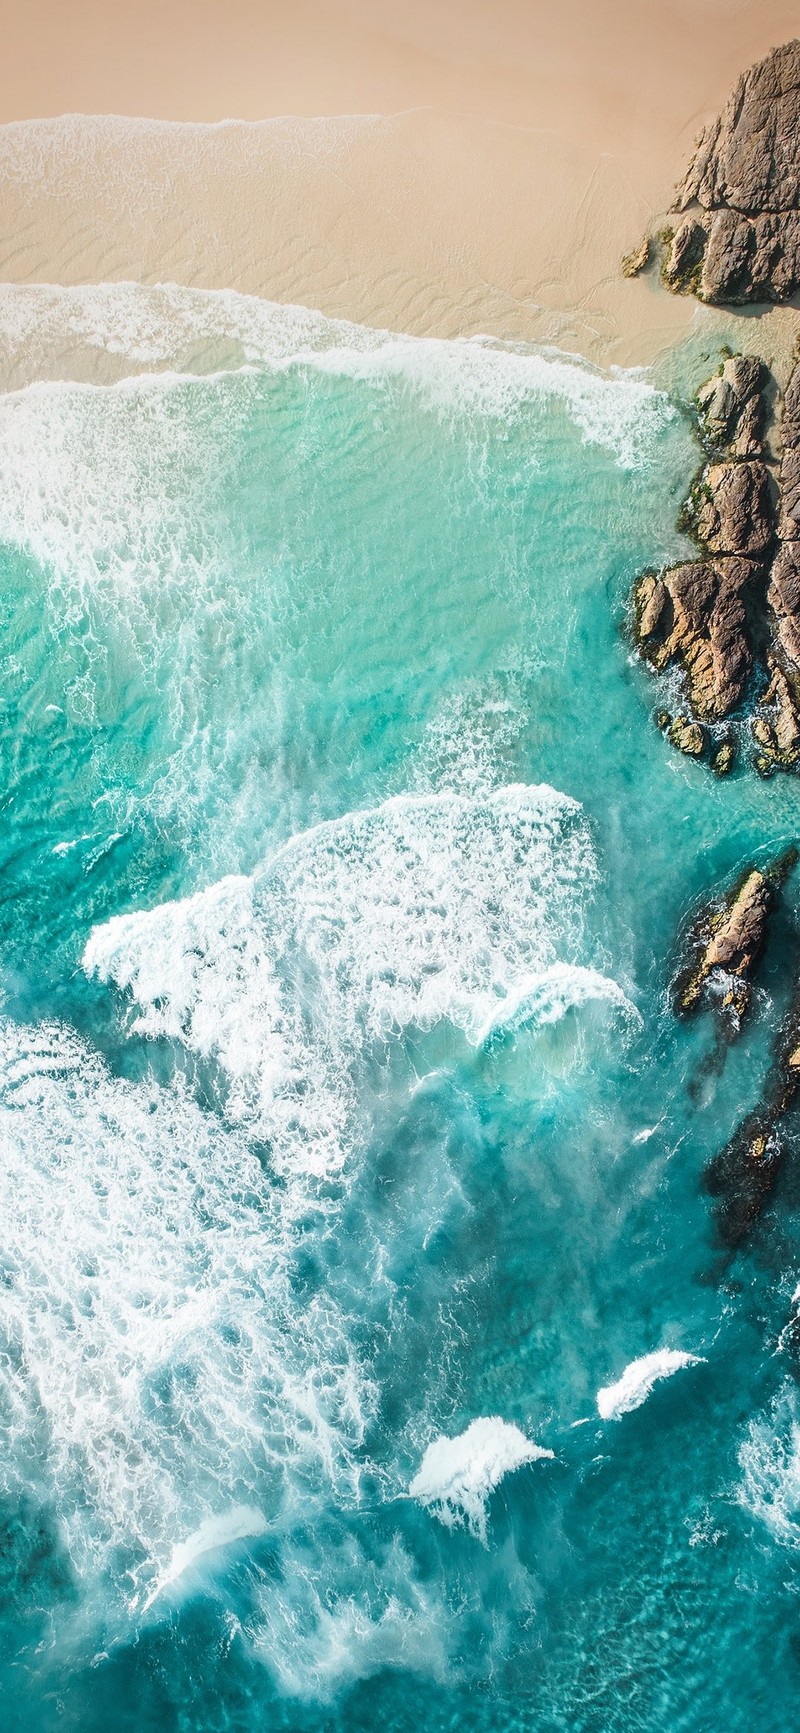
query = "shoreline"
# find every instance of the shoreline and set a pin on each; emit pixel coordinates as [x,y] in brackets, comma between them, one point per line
[435,220]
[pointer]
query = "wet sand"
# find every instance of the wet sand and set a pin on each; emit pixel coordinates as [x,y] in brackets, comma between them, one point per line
[480,170]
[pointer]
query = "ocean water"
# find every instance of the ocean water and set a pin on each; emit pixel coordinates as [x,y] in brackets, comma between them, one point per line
[367,1355]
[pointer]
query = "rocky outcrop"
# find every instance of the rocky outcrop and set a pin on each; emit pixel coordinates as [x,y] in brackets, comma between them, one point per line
[731,407]
[776,722]
[638,260]
[732,509]
[736,235]
[726,943]
[735,612]
[696,615]
[728,948]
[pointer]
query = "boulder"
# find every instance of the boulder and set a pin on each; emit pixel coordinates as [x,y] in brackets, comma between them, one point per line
[687,737]
[727,942]
[732,409]
[723,757]
[732,509]
[683,265]
[695,615]
[638,260]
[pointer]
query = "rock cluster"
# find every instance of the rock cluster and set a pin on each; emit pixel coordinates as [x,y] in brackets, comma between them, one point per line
[726,944]
[697,615]
[737,608]
[736,233]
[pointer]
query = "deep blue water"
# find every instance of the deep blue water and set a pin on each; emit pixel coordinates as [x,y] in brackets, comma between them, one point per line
[341,1101]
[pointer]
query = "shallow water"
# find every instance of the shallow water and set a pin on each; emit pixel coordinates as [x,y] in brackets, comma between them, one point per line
[341,1103]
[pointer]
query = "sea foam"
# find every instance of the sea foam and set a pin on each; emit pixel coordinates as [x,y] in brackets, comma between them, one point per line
[429,908]
[638,1379]
[170,327]
[458,1475]
[155,1362]
[769,1459]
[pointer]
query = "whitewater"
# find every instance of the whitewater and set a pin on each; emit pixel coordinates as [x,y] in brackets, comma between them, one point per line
[366,1355]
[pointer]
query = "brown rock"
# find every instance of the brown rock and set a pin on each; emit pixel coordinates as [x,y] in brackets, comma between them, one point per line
[743,1175]
[749,159]
[749,258]
[724,758]
[745,178]
[687,736]
[733,509]
[790,424]
[727,940]
[776,724]
[634,263]
[783,596]
[732,409]
[695,615]
[789,520]
[683,265]
[730,941]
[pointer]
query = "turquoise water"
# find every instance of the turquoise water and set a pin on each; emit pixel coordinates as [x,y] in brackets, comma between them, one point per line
[341,1102]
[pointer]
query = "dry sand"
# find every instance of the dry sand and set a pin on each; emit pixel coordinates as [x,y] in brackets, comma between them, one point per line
[482,168]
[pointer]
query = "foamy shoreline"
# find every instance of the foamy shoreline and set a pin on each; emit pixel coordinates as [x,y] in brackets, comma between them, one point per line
[501,204]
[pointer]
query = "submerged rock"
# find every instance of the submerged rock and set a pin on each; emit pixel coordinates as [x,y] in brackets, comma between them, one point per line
[744,1173]
[740,241]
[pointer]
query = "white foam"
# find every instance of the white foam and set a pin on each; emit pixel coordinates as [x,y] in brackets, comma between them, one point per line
[638,1379]
[155,1364]
[429,908]
[170,327]
[244,1522]
[769,1458]
[458,1475]
[546,997]
[342,1611]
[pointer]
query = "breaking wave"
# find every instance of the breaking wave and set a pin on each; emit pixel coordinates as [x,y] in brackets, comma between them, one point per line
[458,1475]
[638,1379]
[167,327]
[428,909]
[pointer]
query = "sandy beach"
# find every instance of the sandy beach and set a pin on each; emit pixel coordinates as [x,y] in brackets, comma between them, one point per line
[477,170]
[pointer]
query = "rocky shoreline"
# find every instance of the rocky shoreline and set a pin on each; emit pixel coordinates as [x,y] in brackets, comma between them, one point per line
[730,620]
[725,626]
